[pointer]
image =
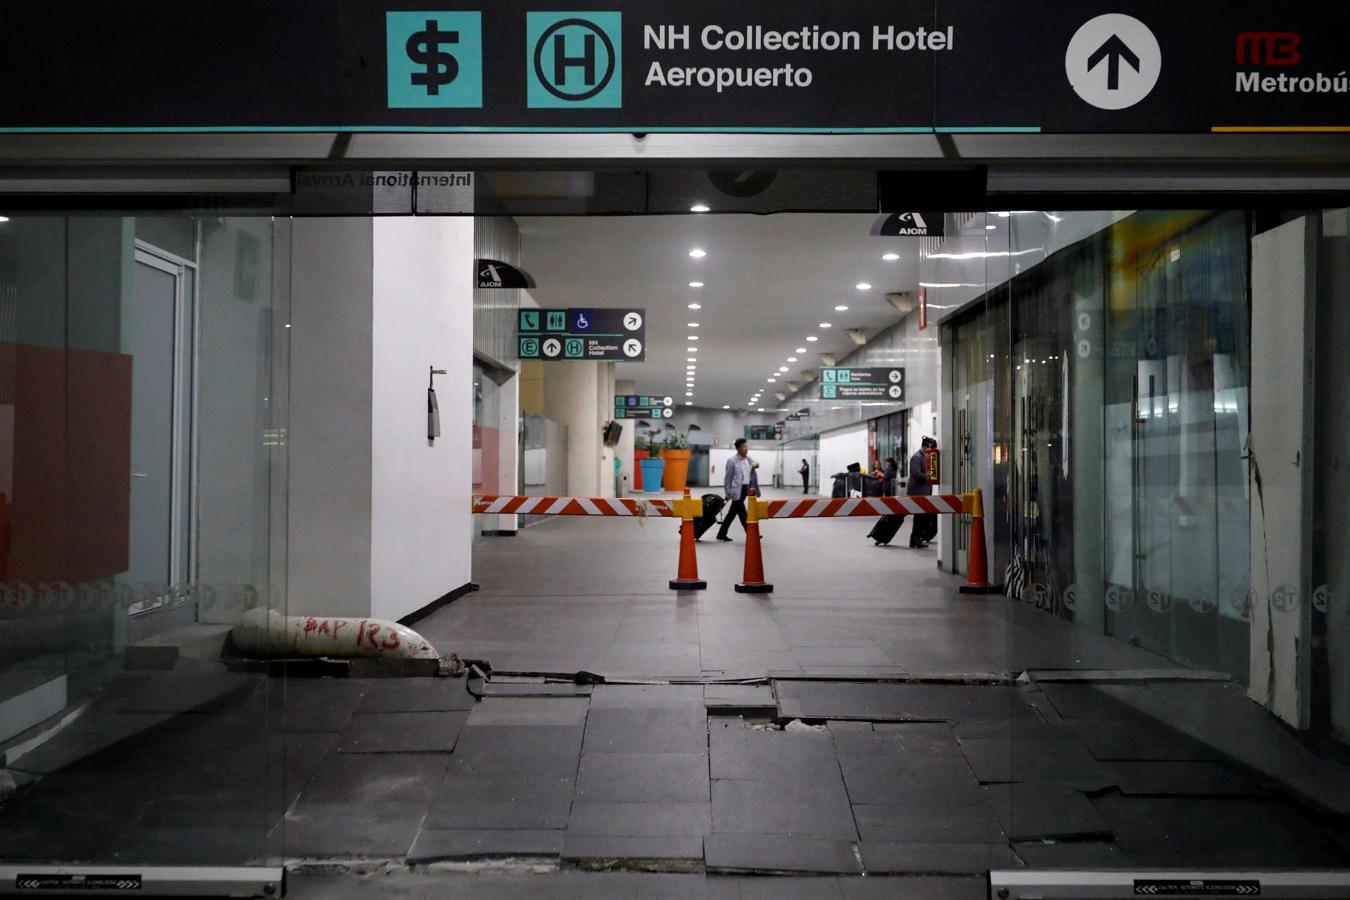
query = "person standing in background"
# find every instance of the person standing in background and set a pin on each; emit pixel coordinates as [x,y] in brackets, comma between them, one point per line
[925,524]
[805,472]
[892,474]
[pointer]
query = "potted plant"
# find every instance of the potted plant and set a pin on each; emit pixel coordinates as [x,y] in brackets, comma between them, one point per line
[652,466]
[675,455]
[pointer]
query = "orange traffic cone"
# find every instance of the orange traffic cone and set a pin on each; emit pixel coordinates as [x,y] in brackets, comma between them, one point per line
[752,581]
[686,579]
[977,562]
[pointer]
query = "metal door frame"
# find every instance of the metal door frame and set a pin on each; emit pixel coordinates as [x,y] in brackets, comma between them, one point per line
[183,452]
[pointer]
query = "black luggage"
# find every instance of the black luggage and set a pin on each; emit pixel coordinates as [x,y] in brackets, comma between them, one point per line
[884,531]
[712,505]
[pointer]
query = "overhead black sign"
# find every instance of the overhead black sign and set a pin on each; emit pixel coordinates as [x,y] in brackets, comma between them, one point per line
[597,335]
[911,224]
[764,432]
[492,274]
[886,385]
[643,406]
[700,65]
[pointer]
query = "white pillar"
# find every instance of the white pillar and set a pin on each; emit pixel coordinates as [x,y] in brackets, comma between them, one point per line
[625,447]
[571,395]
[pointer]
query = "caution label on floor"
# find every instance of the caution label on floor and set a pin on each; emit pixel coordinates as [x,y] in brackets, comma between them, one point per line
[1195,887]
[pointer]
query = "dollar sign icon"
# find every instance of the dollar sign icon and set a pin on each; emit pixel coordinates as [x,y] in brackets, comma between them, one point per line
[424,48]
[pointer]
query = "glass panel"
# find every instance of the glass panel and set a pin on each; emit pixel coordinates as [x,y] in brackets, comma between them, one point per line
[140,474]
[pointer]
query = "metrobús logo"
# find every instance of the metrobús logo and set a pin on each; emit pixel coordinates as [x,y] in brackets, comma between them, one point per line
[1280,49]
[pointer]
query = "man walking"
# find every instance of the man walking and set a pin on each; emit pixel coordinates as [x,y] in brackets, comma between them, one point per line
[736,484]
[925,524]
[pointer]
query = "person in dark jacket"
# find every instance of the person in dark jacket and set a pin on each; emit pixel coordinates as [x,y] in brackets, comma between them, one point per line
[892,474]
[805,472]
[925,524]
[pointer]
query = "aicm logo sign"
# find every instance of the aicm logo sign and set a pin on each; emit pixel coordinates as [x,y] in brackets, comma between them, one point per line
[434,60]
[574,59]
[912,224]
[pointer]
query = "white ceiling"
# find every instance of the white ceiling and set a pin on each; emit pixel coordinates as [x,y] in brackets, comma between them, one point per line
[769,281]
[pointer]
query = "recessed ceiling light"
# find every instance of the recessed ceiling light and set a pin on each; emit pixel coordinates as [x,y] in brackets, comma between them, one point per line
[692,324]
[699,207]
[695,305]
[761,409]
[990,227]
[863,286]
[826,325]
[696,253]
[691,359]
[772,380]
[1003,215]
[696,284]
[782,368]
[689,403]
[800,350]
[691,337]
[841,308]
[691,349]
[813,338]
[890,257]
[725,406]
[793,358]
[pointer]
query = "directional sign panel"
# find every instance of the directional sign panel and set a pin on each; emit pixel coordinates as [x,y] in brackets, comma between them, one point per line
[595,335]
[643,406]
[1081,66]
[883,385]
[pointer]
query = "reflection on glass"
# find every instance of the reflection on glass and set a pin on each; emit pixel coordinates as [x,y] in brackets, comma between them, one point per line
[139,443]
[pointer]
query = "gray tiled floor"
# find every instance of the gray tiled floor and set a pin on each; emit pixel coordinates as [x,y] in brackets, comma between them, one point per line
[909,775]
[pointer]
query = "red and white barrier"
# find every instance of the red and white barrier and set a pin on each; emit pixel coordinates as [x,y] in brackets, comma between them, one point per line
[867,506]
[977,575]
[573,506]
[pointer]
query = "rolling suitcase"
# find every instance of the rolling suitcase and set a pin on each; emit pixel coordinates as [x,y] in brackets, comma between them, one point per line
[712,505]
[884,531]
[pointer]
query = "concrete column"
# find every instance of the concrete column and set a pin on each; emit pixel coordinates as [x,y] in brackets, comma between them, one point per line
[625,448]
[604,412]
[1281,447]
[571,397]
[508,459]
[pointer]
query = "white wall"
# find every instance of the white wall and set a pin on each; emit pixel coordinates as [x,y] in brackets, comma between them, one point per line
[329,432]
[423,310]
[838,448]
[378,516]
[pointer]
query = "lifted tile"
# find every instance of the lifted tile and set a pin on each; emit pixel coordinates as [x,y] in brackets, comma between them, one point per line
[434,844]
[779,853]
